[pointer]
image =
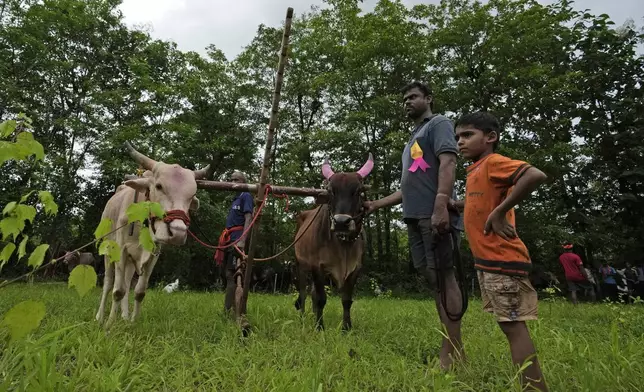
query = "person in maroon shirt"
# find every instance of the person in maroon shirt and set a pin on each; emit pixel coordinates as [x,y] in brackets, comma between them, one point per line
[576,275]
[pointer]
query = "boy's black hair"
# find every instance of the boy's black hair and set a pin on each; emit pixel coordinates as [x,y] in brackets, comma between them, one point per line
[424,88]
[483,121]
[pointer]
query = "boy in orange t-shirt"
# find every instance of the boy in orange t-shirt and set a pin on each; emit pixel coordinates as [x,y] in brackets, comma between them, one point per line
[495,184]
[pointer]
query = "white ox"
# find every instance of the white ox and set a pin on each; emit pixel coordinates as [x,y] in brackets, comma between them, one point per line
[169,185]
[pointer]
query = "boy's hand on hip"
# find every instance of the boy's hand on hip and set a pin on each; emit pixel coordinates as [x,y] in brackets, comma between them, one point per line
[496,223]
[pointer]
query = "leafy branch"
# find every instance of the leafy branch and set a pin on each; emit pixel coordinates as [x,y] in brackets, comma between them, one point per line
[18,144]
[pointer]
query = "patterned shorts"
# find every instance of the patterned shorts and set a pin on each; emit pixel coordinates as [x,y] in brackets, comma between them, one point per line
[510,298]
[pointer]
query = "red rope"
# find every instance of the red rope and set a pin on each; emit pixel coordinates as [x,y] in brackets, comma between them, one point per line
[267,190]
[176,215]
[283,196]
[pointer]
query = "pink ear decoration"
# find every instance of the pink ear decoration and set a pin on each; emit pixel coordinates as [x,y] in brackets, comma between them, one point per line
[366,168]
[417,155]
[327,172]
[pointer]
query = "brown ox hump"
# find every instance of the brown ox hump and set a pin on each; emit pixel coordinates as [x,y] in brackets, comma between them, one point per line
[302,217]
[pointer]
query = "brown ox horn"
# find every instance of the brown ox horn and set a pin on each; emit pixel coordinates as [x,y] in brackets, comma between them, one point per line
[145,162]
[204,173]
[327,172]
[366,168]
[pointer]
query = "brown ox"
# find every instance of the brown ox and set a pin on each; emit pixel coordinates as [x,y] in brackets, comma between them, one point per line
[334,243]
[169,185]
[73,259]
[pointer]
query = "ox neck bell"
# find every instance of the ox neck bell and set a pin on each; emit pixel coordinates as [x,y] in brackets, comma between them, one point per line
[345,237]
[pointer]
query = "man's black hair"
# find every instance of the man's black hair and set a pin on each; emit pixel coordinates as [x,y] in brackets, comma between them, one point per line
[483,121]
[424,88]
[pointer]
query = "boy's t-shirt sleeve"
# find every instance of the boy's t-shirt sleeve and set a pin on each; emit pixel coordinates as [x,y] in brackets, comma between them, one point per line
[442,138]
[506,171]
[247,203]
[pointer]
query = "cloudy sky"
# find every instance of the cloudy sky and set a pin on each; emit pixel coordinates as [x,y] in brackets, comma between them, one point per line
[231,24]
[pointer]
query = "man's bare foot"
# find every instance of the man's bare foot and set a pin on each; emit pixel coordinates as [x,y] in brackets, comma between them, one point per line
[452,360]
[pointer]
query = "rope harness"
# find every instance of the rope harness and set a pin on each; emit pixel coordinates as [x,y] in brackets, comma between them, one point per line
[268,190]
[168,217]
[460,278]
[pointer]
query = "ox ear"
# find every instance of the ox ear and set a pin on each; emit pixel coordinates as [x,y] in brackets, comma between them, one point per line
[140,184]
[194,204]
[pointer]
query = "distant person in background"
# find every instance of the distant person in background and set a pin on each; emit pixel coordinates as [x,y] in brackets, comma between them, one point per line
[609,285]
[631,278]
[576,275]
[237,223]
[639,291]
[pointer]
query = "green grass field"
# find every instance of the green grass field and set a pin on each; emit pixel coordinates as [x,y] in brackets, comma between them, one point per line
[183,342]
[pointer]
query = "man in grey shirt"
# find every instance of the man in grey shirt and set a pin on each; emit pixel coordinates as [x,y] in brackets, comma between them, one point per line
[427,184]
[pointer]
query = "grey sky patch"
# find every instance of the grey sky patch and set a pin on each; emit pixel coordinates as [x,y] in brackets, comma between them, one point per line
[231,25]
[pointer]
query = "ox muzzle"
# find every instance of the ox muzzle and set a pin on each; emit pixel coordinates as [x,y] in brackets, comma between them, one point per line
[346,227]
[343,223]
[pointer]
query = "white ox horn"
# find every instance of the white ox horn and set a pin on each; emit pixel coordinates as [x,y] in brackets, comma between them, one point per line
[204,173]
[145,162]
[327,172]
[366,168]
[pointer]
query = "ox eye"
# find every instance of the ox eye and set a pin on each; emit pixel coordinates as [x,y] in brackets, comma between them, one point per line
[159,187]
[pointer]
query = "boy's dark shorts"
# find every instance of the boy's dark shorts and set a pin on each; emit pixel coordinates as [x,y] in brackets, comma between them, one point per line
[576,286]
[429,251]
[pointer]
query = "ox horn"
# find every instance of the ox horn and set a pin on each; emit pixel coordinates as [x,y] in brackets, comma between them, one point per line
[327,172]
[145,162]
[204,173]
[366,168]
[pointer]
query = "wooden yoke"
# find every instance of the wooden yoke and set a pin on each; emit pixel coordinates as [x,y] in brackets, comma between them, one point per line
[320,195]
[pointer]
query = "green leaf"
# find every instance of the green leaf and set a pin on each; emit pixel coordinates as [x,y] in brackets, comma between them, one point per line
[83,278]
[157,210]
[47,200]
[23,318]
[6,253]
[137,212]
[25,197]
[7,127]
[27,146]
[7,152]
[111,249]
[104,227]
[25,212]
[22,248]
[145,239]
[37,256]
[11,226]
[22,116]
[9,207]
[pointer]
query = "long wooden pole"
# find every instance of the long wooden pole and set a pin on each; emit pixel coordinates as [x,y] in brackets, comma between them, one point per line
[272,124]
[253,188]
